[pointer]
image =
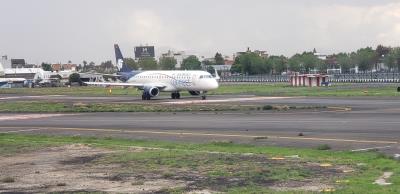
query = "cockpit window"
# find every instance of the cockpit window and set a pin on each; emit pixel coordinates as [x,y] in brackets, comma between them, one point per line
[205,76]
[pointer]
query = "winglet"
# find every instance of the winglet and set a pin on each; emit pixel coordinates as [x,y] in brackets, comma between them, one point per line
[216,74]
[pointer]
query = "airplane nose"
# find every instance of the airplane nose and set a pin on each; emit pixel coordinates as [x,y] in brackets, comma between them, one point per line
[214,84]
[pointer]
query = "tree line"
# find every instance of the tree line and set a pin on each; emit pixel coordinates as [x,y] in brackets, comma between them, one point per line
[191,62]
[251,63]
[366,59]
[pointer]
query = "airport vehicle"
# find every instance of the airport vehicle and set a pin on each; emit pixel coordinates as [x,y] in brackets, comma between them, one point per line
[153,82]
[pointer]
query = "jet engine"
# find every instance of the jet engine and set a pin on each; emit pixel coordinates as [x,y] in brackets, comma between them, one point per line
[152,91]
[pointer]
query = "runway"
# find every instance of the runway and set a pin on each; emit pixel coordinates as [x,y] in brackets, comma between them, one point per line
[372,123]
[372,103]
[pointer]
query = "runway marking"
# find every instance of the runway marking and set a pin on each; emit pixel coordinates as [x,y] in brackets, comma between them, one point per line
[6,98]
[22,130]
[22,97]
[28,116]
[372,148]
[227,135]
[226,100]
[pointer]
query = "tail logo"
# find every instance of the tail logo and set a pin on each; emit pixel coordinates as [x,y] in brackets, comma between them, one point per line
[120,63]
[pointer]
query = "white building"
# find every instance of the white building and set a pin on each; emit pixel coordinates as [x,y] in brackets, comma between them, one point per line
[179,56]
[5,62]
[1,69]
[27,73]
[320,56]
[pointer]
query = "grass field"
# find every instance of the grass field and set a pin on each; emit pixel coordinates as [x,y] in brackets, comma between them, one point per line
[341,90]
[223,166]
[110,107]
[43,107]
[280,89]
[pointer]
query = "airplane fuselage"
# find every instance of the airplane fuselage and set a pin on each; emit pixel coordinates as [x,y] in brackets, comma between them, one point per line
[175,81]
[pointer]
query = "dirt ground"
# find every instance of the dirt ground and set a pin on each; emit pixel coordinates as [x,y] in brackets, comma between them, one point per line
[70,169]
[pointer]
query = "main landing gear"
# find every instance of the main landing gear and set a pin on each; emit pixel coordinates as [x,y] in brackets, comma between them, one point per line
[175,95]
[146,96]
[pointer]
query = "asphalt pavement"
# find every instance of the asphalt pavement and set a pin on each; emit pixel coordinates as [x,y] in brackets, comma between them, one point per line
[373,123]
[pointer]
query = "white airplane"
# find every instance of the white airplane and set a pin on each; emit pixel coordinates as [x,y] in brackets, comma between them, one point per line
[154,82]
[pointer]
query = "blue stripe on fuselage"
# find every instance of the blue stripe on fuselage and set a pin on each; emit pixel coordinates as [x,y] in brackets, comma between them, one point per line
[125,76]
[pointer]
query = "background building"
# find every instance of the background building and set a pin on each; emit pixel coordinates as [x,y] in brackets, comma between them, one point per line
[18,63]
[144,52]
[260,53]
[1,70]
[179,56]
[319,55]
[5,62]
[63,67]
[15,63]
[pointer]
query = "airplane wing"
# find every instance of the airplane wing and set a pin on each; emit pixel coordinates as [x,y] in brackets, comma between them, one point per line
[12,79]
[102,74]
[137,85]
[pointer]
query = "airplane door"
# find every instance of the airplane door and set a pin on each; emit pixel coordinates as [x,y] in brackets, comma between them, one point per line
[194,79]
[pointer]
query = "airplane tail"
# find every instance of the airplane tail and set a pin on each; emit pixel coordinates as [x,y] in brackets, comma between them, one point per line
[122,66]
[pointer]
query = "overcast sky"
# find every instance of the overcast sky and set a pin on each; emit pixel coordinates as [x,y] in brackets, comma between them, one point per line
[62,30]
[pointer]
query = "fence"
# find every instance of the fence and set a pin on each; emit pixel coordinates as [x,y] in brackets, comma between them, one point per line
[335,78]
[256,78]
[366,78]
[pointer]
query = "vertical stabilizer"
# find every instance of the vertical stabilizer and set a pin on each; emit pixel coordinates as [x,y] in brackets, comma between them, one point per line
[122,67]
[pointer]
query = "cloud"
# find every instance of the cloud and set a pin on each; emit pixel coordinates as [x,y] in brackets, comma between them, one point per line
[78,30]
[342,27]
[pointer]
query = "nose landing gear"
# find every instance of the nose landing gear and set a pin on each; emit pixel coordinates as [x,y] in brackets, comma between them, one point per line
[204,95]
